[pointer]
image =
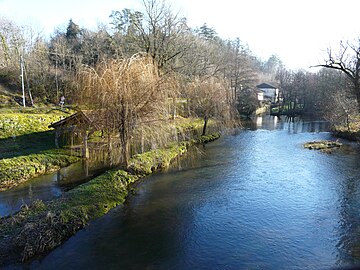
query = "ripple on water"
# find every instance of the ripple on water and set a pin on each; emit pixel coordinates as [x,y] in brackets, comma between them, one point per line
[256,200]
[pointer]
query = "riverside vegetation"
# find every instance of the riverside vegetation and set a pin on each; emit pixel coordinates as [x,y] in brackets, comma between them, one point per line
[27,145]
[28,150]
[151,67]
[40,227]
[323,146]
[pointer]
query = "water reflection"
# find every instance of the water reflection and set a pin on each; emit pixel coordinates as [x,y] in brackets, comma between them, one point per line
[49,186]
[256,200]
[291,124]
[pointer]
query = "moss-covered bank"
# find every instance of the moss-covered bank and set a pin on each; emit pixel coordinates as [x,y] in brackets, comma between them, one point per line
[41,227]
[146,163]
[14,171]
[323,146]
[26,145]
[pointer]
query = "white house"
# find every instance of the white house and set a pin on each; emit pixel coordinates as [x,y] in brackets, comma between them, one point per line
[270,92]
[260,95]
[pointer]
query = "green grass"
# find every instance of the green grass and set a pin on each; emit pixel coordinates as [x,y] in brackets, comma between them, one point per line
[26,144]
[17,124]
[188,123]
[25,131]
[154,160]
[16,170]
[42,227]
[95,198]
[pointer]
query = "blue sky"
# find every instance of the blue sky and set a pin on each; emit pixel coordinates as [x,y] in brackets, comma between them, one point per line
[298,31]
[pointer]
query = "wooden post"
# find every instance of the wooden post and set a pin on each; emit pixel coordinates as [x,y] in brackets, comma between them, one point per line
[57,135]
[176,138]
[109,148]
[85,150]
[71,142]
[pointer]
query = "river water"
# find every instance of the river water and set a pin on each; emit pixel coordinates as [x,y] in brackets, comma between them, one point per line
[253,200]
[48,186]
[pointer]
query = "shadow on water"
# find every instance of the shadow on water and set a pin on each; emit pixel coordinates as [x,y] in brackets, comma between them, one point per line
[255,200]
[52,185]
[49,186]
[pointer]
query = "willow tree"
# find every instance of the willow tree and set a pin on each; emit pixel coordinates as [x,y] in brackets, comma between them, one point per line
[126,92]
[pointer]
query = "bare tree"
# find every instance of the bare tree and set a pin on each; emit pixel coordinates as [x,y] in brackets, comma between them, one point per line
[157,31]
[347,60]
[342,111]
[209,99]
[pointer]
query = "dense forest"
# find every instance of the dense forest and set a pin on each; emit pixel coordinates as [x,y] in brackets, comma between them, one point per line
[154,58]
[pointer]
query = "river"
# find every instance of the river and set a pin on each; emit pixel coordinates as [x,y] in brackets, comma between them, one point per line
[253,200]
[48,186]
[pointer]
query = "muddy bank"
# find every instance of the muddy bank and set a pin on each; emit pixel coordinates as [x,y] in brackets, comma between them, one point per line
[38,229]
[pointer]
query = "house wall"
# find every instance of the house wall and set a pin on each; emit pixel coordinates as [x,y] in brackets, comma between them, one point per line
[270,92]
[260,96]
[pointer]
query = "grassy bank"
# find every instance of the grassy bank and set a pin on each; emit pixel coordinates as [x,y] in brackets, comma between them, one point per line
[26,145]
[16,170]
[13,124]
[26,131]
[40,228]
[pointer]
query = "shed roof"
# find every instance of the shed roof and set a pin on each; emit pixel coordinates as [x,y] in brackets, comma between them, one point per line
[266,86]
[88,118]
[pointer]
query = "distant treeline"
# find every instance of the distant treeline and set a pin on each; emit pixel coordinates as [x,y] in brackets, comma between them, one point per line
[195,60]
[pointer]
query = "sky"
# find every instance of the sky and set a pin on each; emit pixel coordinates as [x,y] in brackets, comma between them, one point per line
[298,31]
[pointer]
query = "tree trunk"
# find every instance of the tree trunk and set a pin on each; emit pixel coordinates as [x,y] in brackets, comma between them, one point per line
[142,140]
[205,124]
[357,93]
[188,107]
[85,150]
[124,143]
[109,148]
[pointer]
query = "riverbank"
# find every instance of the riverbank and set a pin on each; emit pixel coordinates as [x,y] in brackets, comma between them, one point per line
[37,229]
[27,145]
[346,134]
[16,170]
[350,130]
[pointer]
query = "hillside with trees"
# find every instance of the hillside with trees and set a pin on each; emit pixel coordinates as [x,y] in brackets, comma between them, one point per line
[141,91]
[191,63]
